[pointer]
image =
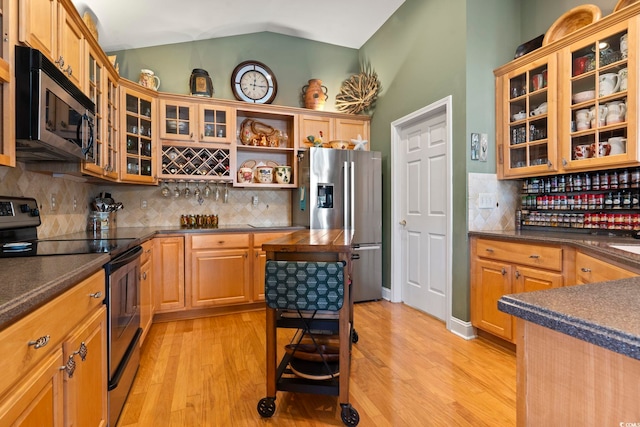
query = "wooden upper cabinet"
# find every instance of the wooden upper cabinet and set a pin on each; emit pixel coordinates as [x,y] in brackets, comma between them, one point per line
[47,26]
[588,82]
[7,96]
[333,128]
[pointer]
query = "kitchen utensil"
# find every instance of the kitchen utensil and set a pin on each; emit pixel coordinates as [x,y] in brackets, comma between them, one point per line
[609,83]
[616,112]
[602,149]
[618,145]
[582,151]
[584,96]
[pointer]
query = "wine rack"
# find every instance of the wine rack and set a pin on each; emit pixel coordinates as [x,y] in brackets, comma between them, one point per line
[191,162]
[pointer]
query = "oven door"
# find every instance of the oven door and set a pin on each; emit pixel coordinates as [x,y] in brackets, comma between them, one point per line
[123,300]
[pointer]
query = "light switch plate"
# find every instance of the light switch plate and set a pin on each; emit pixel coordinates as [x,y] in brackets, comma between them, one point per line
[486,200]
[484,146]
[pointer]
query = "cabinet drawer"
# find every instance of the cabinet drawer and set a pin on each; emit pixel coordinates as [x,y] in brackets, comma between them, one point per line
[548,257]
[222,240]
[147,249]
[260,238]
[590,270]
[56,319]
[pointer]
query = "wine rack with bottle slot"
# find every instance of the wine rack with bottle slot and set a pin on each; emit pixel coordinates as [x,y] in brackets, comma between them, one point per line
[195,162]
[607,200]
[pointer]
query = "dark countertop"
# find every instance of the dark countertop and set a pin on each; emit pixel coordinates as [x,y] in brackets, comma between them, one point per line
[26,283]
[604,314]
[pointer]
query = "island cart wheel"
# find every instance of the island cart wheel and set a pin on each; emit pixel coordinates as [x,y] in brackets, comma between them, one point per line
[354,336]
[349,415]
[267,407]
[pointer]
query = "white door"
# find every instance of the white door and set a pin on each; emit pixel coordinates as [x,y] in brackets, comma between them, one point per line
[422,203]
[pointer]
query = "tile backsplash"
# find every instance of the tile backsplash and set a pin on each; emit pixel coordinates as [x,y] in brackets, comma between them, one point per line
[497,218]
[272,207]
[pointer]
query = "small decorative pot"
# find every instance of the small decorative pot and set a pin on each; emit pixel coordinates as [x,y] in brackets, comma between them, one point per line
[283,174]
[315,94]
[264,174]
[245,175]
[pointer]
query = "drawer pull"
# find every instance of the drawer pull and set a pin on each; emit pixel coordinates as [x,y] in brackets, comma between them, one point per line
[69,367]
[40,342]
[534,256]
[517,274]
[489,250]
[82,351]
[96,295]
[585,270]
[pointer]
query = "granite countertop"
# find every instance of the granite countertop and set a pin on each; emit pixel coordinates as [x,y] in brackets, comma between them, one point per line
[29,282]
[603,314]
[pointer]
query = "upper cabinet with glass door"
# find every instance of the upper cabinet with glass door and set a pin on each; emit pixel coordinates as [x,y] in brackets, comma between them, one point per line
[600,106]
[138,147]
[195,122]
[526,119]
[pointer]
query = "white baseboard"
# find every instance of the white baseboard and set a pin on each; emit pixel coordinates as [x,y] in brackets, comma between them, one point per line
[386,293]
[462,329]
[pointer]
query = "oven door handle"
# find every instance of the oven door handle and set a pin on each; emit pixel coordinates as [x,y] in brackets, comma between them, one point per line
[125,258]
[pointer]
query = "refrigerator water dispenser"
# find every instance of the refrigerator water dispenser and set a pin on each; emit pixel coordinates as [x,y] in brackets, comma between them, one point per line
[325,196]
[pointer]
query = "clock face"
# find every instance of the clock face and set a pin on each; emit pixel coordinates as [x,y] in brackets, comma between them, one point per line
[252,81]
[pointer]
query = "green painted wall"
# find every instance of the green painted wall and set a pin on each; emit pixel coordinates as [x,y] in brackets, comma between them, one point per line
[427,50]
[293,60]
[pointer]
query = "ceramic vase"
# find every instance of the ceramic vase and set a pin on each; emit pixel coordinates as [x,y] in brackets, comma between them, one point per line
[315,94]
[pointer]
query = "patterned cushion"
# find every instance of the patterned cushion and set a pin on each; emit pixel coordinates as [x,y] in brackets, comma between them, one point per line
[304,285]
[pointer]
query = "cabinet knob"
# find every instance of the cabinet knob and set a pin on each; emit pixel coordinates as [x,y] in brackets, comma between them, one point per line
[564,162]
[69,70]
[549,164]
[144,275]
[504,271]
[585,270]
[60,62]
[202,136]
[69,367]
[40,342]
[96,295]
[517,274]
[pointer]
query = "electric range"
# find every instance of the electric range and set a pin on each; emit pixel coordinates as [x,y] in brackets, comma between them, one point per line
[19,219]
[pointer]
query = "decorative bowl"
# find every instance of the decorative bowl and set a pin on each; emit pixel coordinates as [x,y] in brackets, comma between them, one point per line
[340,145]
[264,174]
[587,95]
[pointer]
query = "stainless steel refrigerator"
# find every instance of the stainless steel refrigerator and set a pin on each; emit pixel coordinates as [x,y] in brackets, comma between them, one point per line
[343,189]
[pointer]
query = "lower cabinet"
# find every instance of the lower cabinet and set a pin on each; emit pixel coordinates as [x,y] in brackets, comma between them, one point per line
[589,269]
[500,268]
[147,304]
[54,361]
[168,262]
[219,269]
[259,258]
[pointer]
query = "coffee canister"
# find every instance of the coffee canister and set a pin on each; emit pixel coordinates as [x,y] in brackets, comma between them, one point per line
[200,83]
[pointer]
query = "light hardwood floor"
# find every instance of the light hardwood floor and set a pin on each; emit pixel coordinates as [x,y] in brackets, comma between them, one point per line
[407,370]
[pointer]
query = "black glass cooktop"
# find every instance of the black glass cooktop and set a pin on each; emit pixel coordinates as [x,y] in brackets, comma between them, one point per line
[64,247]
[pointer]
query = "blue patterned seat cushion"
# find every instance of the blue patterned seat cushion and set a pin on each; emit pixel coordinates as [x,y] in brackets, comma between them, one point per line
[304,285]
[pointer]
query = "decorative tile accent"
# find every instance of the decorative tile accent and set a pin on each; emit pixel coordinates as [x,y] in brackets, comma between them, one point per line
[499,218]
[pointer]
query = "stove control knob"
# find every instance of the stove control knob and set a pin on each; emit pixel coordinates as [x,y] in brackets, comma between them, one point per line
[25,208]
[35,212]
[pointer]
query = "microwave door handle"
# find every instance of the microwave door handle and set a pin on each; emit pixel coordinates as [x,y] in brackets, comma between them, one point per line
[89,147]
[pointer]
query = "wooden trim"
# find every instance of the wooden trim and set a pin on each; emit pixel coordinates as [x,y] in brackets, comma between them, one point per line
[207,312]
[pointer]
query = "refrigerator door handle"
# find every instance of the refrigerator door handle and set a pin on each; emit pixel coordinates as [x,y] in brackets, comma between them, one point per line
[352,195]
[345,196]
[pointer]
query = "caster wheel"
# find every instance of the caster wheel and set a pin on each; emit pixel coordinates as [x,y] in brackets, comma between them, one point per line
[267,407]
[354,336]
[349,415]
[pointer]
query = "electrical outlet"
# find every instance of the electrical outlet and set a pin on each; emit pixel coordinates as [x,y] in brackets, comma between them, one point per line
[486,201]
[254,200]
[54,202]
[143,204]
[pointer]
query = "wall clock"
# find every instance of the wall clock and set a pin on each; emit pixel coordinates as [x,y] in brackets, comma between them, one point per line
[252,81]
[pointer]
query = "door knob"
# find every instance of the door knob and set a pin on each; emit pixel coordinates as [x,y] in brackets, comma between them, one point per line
[403,223]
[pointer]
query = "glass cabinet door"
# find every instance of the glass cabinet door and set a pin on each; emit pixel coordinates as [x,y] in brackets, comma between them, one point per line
[214,125]
[601,100]
[95,163]
[529,119]
[111,128]
[177,121]
[138,147]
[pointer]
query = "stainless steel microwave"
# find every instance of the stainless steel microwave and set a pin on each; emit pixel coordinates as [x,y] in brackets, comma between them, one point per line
[54,119]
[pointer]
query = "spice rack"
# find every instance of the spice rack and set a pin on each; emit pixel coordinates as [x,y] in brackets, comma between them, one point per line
[603,200]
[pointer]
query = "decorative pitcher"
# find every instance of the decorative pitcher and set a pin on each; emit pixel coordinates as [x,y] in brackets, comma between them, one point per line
[315,94]
[149,79]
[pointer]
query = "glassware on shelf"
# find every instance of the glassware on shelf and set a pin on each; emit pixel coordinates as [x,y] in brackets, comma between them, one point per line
[165,190]
[176,191]
[225,194]
[216,195]
[187,191]
[207,191]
